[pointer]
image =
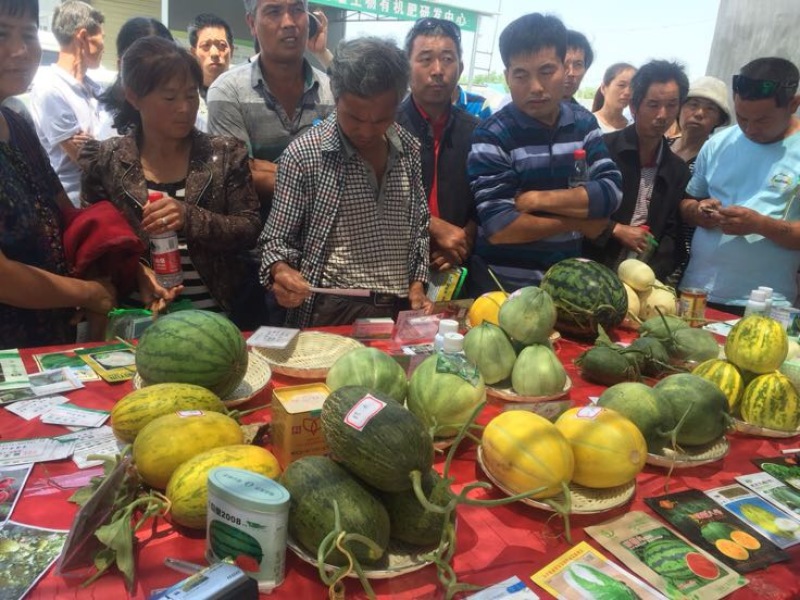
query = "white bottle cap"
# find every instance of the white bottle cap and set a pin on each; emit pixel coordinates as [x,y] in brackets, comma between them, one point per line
[758,296]
[767,290]
[448,326]
[453,342]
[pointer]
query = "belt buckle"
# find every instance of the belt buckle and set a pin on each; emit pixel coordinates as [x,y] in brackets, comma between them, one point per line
[383,300]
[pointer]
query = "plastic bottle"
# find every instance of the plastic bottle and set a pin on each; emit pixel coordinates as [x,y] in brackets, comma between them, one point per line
[756,304]
[647,253]
[445,326]
[453,343]
[768,299]
[580,170]
[164,254]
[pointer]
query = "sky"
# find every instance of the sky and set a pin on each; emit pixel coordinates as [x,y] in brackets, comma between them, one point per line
[633,31]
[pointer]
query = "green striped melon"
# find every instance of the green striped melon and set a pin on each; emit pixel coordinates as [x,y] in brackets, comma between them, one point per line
[771,401]
[138,408]
[193,346]
[528,315]
[227,541]
[757,343]
[586,294]
[667,557]
[488,348]
[726,376]
[314,482]
[375,437]
[371,368]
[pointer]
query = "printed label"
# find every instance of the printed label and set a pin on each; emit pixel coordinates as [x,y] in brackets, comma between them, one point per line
[165,255]
[363,412]
[183,414]
[589,412]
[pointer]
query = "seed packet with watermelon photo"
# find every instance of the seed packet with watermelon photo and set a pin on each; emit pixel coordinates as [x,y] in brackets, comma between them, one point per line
[664,559]
[773,490]
[770,521]
[726,538]
[582,573]
[114,363]
[12,480]
[785,468]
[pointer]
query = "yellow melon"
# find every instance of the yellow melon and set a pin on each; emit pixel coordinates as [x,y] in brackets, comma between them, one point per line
[486,308]
[609,449]
[524,451]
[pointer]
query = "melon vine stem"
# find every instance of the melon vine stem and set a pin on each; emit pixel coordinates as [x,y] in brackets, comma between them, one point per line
[496,281]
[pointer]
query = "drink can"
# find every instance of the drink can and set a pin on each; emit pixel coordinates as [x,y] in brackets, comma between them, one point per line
[248,517]
[692,306]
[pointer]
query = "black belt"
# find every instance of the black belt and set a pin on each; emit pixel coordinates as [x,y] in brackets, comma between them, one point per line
[374,298]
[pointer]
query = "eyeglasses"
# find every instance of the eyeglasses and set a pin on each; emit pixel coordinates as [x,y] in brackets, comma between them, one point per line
[428,25]
[759,89]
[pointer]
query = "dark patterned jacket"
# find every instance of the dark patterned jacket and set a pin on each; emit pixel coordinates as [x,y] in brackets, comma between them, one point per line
[222,221]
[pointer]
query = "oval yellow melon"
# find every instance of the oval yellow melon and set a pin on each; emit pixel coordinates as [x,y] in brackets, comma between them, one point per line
[486,308]
[166,442]
[524,451]
[609,449]
[188,486]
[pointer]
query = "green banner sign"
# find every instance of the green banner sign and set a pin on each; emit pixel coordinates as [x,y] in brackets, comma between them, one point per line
[407,10]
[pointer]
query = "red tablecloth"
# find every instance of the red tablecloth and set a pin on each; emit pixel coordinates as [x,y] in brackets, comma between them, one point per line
[492,545]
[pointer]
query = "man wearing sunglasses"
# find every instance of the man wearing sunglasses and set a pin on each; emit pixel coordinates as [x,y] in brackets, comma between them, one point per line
[433,48]
[745,191]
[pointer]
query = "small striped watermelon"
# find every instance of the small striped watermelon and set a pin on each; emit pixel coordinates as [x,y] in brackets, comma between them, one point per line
[586,294]
[726,376]
[227,541]
[667,557]
[771,401]
[193,346]
[757,343]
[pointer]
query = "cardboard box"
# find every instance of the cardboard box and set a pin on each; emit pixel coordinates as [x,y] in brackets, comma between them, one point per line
[296,425]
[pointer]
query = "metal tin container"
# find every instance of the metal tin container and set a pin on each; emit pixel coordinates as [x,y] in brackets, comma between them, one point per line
[247,521]
[692,306]
[789,317]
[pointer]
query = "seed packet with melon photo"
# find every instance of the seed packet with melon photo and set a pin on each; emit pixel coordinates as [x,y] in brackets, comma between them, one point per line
[726,538]
[773,490]
[114,363]
[785,468]
[664,559]
[583,573]
[770,521]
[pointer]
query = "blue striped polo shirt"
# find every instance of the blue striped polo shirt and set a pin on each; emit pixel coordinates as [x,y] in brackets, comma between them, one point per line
[513,153]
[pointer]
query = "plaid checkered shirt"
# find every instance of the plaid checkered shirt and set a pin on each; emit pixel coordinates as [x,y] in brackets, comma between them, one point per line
[316,175]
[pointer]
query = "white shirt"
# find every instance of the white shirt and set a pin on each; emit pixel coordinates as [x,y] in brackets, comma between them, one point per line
[62,107]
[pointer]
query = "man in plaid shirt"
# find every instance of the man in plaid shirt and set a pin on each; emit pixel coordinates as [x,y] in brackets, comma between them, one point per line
[350,209]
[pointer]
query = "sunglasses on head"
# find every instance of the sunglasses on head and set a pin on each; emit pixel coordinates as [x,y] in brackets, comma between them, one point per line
[430,24]
[758,89]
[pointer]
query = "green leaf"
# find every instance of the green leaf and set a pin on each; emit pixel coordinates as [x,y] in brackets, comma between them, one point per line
[118,536]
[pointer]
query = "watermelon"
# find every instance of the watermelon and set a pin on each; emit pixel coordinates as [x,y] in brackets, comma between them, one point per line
[586,294]
[193,346]
[444,400]
[488,347]
[708,417]
[716,530]
[757,344]
[696,345]
[538,372]
[528,315]
[606,365]
[667,557]
[771,401]
[642,405]
[726,376]
[314,482]
[375,437]
[650,355]
[371,368]
[662,327]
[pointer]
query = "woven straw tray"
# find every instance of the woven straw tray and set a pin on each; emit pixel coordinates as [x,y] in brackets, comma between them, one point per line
[310,354]
[585,501]
[502,391]
[400,558]
[757,430]
[691,457]
[255,379]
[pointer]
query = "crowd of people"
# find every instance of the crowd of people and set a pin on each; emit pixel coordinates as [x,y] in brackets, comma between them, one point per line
[289,186]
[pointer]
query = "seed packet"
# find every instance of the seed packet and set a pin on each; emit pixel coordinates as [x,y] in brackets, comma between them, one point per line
[114,363]
[715,530]
[784,468]
[583,572]
[664,559]
[773,490]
